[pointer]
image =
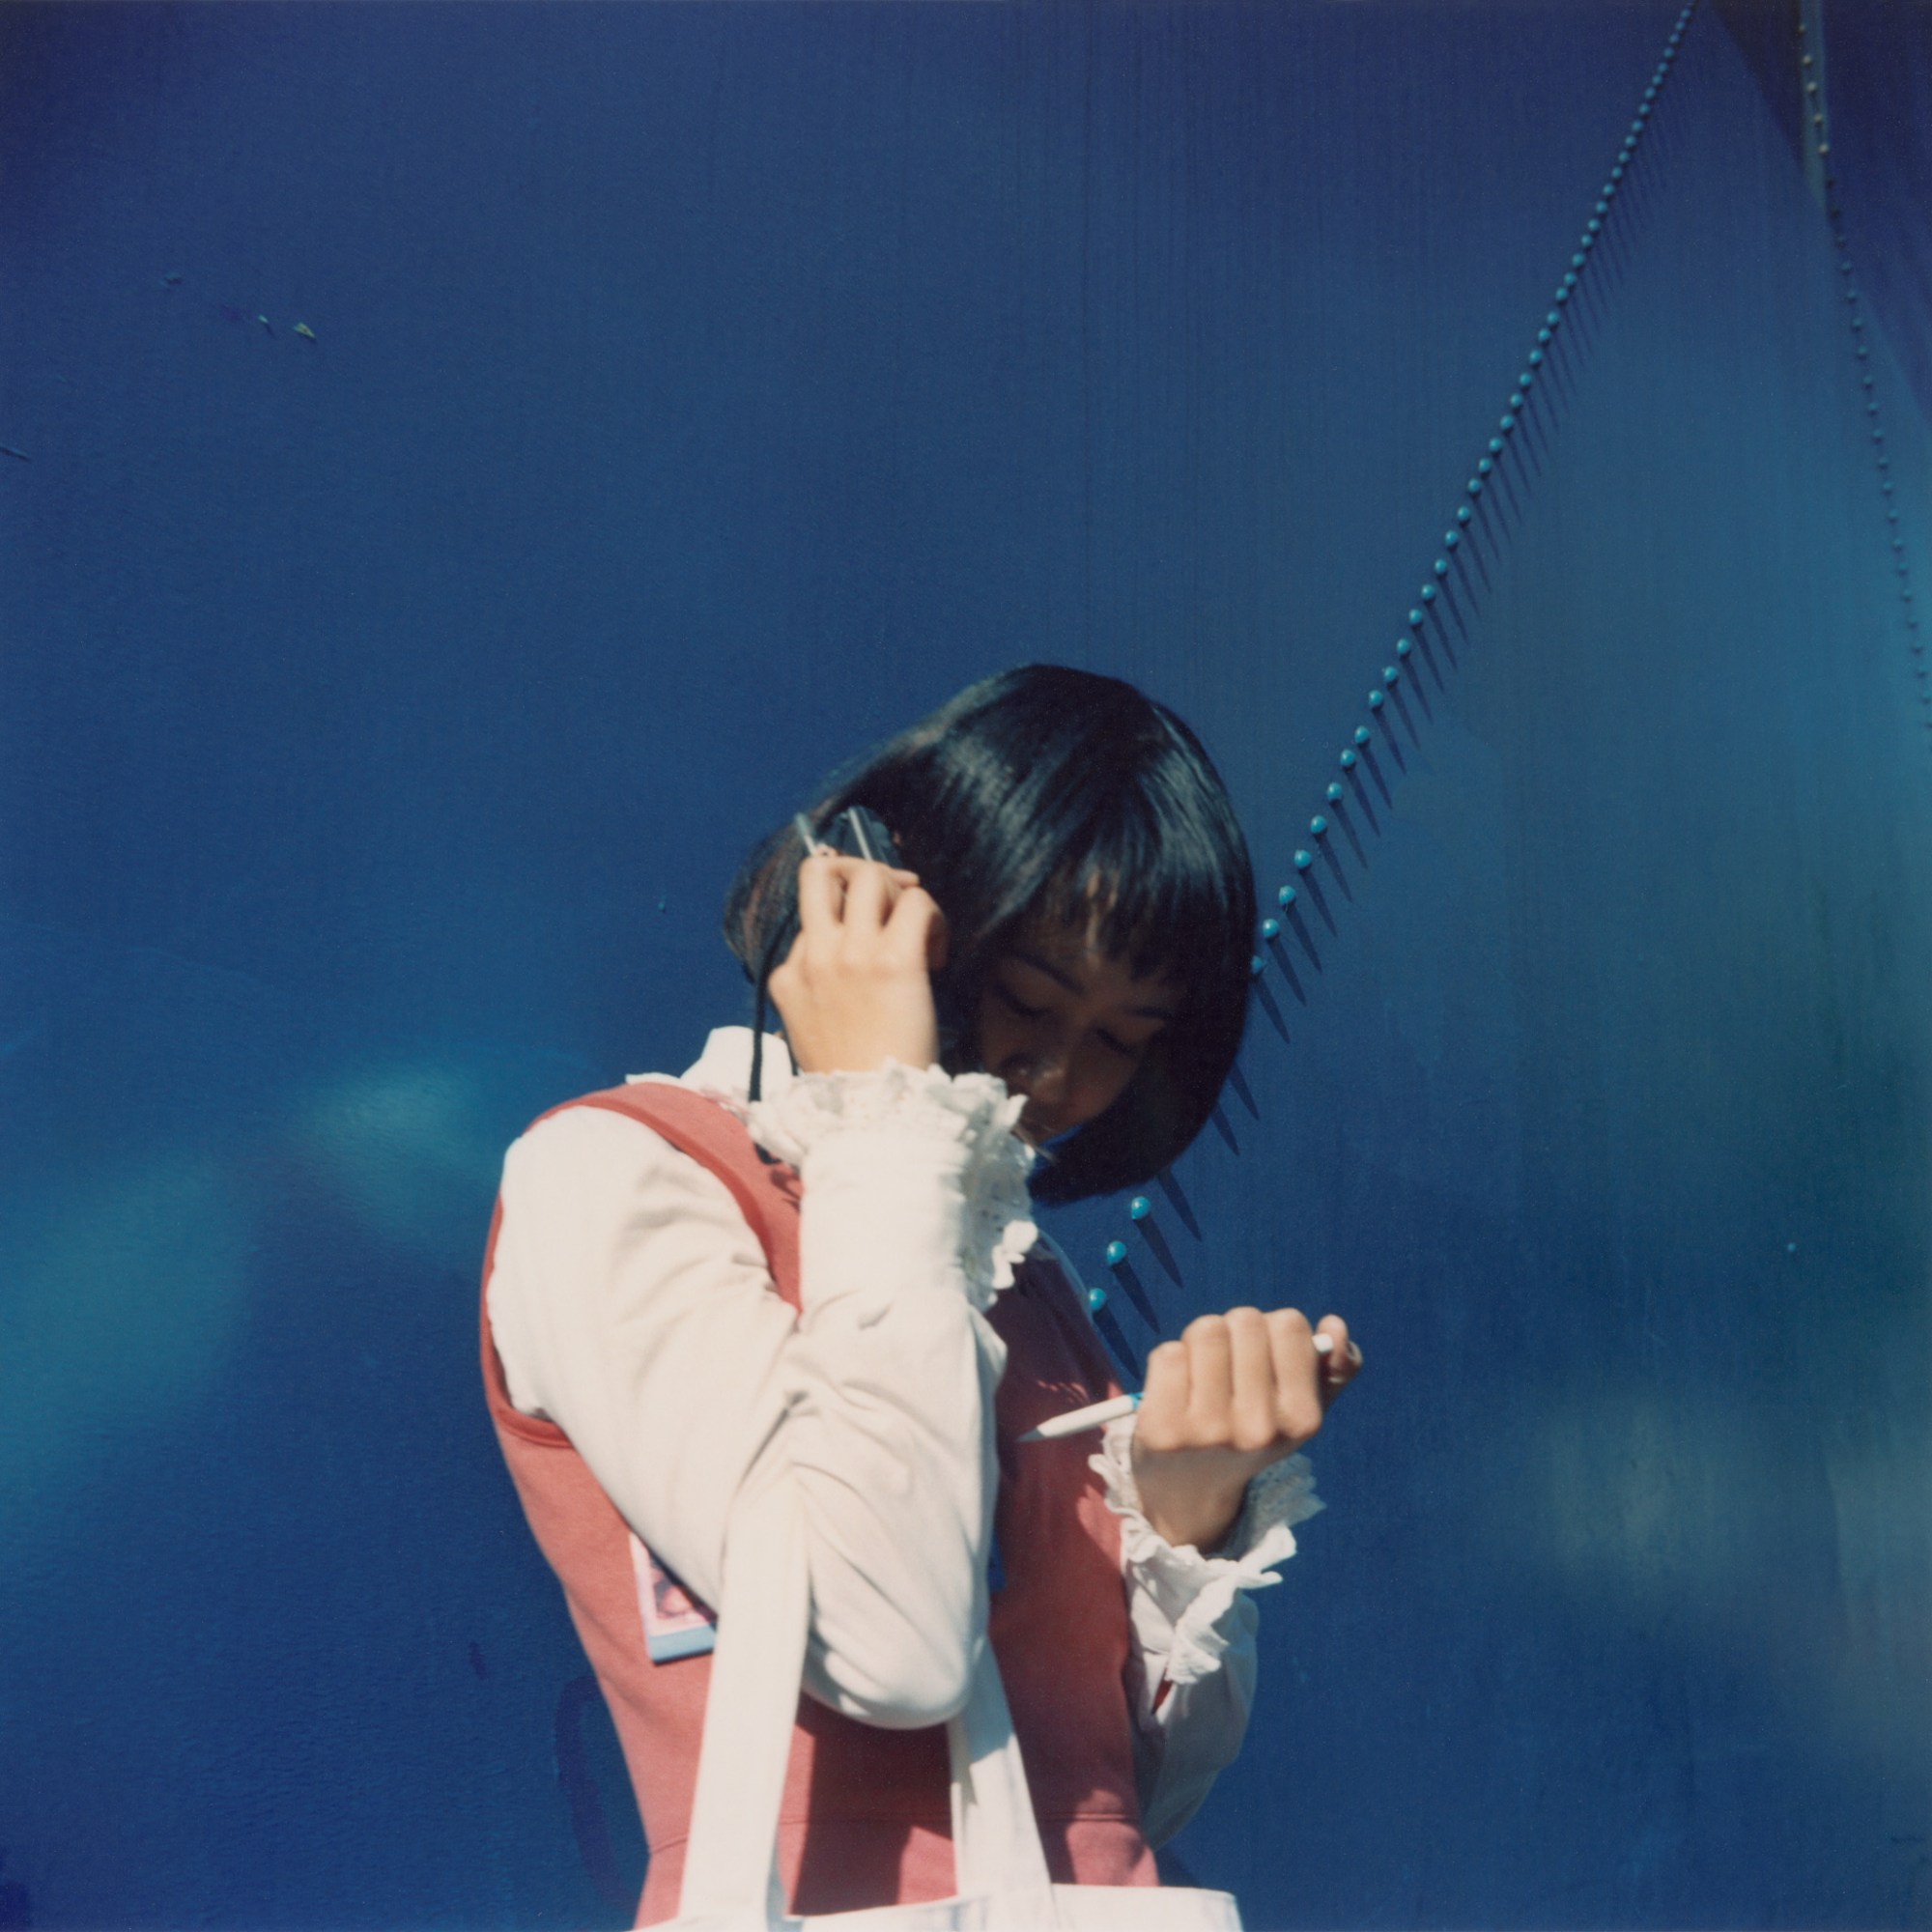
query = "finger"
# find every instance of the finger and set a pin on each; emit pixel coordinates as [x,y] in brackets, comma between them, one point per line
[1252,1377]
[869,893]
[1298,1405]
[1162,1416]
[1211,1375]
[908,925]
[1340,1366]
[820,893]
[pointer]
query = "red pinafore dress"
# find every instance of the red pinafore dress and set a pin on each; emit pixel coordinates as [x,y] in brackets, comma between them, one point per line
[865,1818]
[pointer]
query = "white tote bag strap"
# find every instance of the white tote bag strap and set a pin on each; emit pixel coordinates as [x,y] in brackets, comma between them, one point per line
[730,1871]
[996,1846]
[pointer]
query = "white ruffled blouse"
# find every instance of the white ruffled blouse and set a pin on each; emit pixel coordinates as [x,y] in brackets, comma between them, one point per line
[630,1305]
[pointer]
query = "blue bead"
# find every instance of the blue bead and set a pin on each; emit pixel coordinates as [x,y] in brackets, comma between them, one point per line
[1374,700]
[1475,486]
[1576,263]
[1485,466]
[1858,322]
[1362,734]
[1117,1253]
[1096,1295]
[1861,352]
[1335,790]
[1285,898]
[1563,294]
[1319,826]
[1390,672]
[1255,964]
[1586,241]
[1516,402]
[1451,538]
[1570,280]
[1555,316]
[1402,647]
[1507,424]
[1415,620]
[1271,927]
[1616,174]
[1542,337]
[1596,226]
[1441,566]
[1429,594]
[1303,860]
[1138,1208]
[1535,359]
[1463,515]
[1348,761]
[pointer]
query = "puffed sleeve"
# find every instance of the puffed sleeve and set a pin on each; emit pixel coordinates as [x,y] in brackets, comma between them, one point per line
[1192,1669]
[630,1305]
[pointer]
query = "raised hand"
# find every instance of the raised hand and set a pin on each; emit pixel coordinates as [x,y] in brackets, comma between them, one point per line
[856,988]
[1237,1392]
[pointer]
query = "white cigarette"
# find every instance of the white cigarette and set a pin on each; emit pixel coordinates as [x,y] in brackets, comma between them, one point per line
[1097,1416]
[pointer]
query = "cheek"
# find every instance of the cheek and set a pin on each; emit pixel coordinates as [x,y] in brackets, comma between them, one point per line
[994,1036]
[1104,1078]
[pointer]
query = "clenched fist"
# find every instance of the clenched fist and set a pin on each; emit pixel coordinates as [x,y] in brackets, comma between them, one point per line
[1237,1392]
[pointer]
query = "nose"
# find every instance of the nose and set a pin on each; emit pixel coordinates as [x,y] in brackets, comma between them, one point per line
[1044,1081]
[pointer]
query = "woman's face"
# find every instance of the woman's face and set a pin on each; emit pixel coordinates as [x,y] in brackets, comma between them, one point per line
[1067,1026]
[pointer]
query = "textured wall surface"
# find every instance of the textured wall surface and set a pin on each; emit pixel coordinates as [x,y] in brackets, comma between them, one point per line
[693,394]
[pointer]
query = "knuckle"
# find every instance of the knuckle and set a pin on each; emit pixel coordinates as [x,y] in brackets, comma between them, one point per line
[1250,1437]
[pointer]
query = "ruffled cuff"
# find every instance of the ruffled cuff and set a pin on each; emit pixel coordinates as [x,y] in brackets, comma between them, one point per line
[910,1106]
[1176,1586]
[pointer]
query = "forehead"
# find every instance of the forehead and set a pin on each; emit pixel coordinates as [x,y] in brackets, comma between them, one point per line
[1072,950]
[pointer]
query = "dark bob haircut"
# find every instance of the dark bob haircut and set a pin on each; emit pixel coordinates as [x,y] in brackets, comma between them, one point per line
[1051,795]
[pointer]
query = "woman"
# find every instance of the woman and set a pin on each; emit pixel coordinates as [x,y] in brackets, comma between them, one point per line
[1058,973]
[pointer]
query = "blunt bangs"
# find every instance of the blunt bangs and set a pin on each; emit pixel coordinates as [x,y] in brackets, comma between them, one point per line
[1051,797]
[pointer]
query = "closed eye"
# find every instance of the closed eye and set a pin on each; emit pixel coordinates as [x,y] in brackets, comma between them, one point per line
[1013,1005]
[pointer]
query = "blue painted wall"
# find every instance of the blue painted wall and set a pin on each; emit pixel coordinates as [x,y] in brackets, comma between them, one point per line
[696,394]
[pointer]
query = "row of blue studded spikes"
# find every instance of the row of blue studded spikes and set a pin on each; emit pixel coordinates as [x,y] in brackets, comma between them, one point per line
[1819,134]
[1138,1208]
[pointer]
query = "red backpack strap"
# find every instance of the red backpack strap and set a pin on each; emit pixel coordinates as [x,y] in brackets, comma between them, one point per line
[711,1135]
[767,1193]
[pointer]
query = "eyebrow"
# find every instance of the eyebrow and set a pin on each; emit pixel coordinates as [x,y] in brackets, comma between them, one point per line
[1072,985]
